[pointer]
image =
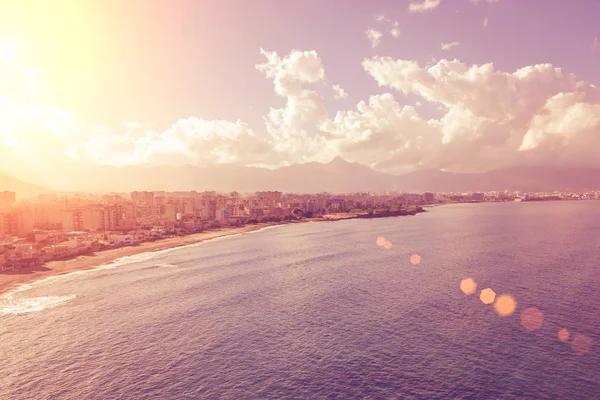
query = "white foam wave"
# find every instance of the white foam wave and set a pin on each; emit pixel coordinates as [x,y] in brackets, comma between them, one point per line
[166,265]
[27,305]
[117,263]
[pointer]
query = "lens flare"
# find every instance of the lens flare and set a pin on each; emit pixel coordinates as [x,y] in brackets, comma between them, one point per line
[468,286]
[581,343]
[387,245]
[380,241]
[505,305]
[415,259]
[532,319]
[563,335]
[487,296]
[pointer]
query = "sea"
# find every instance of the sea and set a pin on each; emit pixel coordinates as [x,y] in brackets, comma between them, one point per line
[359,309]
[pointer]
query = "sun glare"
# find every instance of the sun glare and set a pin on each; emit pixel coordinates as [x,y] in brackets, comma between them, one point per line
[9,50]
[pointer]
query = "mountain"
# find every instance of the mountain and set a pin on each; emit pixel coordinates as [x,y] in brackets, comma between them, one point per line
[525,179]
[23,189]
[337,176]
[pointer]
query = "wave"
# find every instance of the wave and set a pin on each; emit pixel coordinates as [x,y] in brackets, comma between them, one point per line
[166,265]
[33,304]
[118,262]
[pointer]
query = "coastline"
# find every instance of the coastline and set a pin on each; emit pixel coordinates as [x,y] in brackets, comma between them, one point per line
[11,281]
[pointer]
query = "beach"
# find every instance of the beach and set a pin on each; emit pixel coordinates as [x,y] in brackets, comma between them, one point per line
[9,281]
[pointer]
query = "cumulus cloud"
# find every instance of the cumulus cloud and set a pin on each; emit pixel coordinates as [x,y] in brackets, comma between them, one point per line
[383,134]
[490,115]
[133,125]
[188,141]
[290,72]
[395,31]
[294,128]
[487,118]
[374,36]
[449,45]
[338,92]
[422,6]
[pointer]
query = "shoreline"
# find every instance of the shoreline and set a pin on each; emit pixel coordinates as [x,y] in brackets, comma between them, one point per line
[11,281]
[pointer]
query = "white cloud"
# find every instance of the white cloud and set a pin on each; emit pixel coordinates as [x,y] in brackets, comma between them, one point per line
[485,22]
[494,119]
[449,45]
[421,6]
[133,125]
[290,72]
[384,134]
[487,119]
[294,128]
[563,116]
[188,141]
[374,36]
[338,92]
[395,31]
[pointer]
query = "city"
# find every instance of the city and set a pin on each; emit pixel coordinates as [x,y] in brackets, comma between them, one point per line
[52,227]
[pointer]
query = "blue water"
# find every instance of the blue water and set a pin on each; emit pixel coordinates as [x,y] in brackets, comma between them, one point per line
[318,310]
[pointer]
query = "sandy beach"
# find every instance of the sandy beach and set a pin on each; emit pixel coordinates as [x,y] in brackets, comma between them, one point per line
[9,281]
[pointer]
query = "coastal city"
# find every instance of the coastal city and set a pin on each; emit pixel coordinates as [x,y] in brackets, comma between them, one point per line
[55,227]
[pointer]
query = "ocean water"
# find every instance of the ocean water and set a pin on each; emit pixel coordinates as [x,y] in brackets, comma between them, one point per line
[319,310]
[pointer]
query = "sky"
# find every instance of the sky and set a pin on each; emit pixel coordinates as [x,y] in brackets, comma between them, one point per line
[459,85]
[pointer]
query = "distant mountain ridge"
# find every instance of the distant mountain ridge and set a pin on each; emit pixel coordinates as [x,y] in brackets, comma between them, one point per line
[337,176]
[23,189]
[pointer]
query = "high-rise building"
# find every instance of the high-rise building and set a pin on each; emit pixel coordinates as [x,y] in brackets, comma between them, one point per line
[7,199]
[72,220]
[142,198]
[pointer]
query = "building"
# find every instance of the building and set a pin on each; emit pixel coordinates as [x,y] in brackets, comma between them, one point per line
[478,196]
[142,198]
[72,220]
[428,197]
[7,199]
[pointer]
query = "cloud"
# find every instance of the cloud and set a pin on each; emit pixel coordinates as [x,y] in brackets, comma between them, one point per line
[493,119]
[485,22]
[395,31]
[449,45]
[188,141]
[563,116]
[290,72]
[294,128]
[383,134]
[133,125]
[338,92]
[485,118]
[595,45]
[422,6]
[374,36]
[36,133]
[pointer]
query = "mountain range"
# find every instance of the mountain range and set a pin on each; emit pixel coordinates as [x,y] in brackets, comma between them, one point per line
[337,176]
